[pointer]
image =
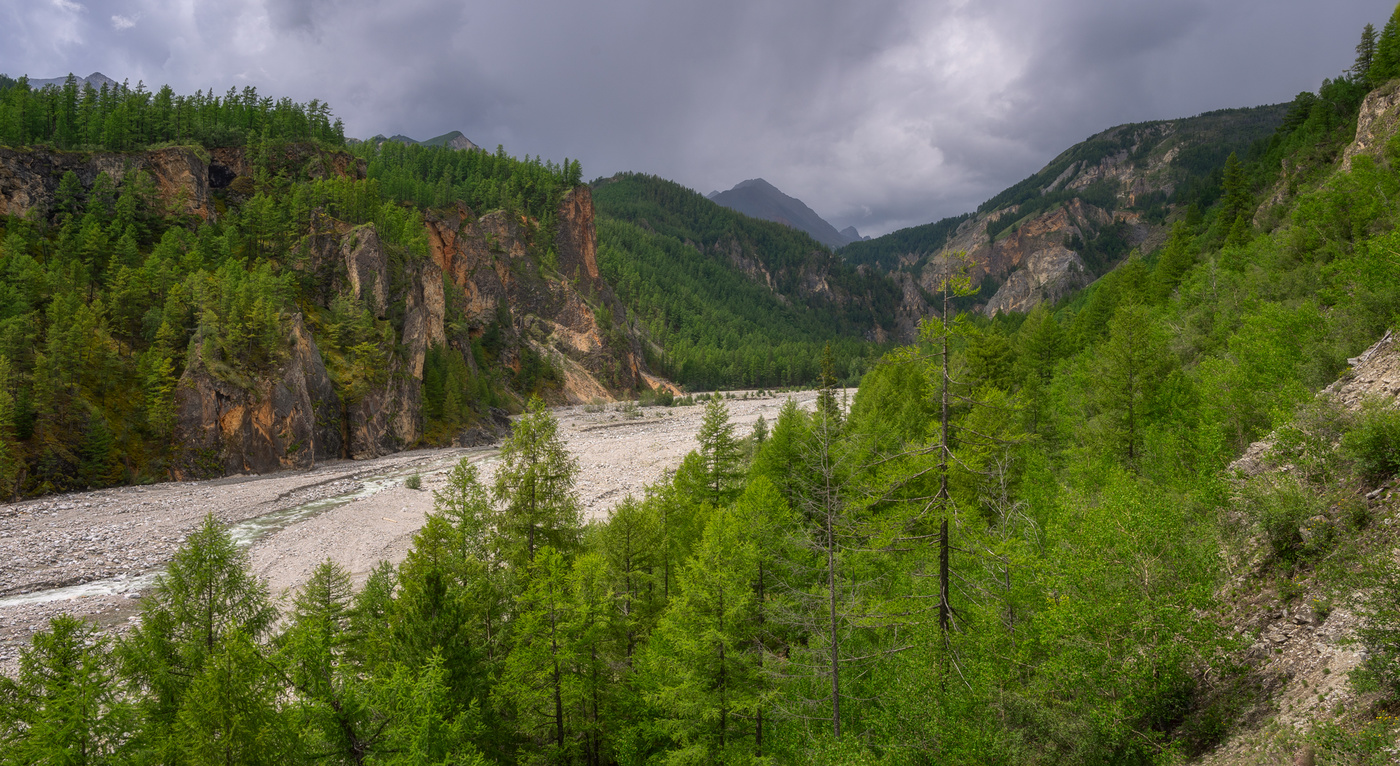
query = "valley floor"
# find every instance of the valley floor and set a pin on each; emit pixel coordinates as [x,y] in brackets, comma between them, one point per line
[92,553]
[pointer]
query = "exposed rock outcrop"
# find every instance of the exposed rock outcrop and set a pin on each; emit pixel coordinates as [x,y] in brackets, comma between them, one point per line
[488,263]
[1118,183]
[480,273]
[287,419]
[1033,263]
[183,176]
[1375,123]
[577,238]
[1046,276]
[1374,375]
[30,177]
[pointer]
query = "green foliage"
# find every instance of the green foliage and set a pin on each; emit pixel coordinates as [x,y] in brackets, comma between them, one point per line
[65,705]
[1374,444]
[1381,632]
[885,252]
[720,453]
[122,118]
[535,485]
[109,298]
[669,252]
[1285,510]
[789,613]
[439,176]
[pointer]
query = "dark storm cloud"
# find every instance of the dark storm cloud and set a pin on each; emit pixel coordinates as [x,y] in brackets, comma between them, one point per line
[880,113]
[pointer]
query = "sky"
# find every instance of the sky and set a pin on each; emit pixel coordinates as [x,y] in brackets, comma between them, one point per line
[876,113]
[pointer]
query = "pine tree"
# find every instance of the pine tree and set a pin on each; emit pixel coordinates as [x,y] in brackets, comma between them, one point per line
[68,198]
[826,396]
[780,457]
[534,676]
[769,522]
[335,712]
[1041,345]
[990,359]
[11,452]
[230,714]
[702,664]
[633,548]
[206,596]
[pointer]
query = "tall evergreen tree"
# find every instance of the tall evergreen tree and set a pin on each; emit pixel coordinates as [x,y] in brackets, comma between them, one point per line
[206,596]
[1365,54]
[1386,63]
[721,454]
[66,705]
[535,487]
[1131,368]
[703,667]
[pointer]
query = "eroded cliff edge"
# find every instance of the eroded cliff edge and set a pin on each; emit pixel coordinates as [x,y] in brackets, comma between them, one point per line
[493,299]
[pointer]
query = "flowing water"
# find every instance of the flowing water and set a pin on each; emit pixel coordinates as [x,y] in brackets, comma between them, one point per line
[244,534]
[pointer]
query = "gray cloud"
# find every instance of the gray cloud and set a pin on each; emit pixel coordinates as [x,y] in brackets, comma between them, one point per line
[883,113]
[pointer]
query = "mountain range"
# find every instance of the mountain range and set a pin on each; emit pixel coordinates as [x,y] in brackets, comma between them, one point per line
[1136,506]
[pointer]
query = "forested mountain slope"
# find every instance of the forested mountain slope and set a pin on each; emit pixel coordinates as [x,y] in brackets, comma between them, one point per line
[1027,541]
[1073,220]
[255,296]
[733,300]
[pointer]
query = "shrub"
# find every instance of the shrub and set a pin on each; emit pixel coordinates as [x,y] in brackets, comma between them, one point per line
[414,482]
[1374,444]
[1380,634]
[1282,507]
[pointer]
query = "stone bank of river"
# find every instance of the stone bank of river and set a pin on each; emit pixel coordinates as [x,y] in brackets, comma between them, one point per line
[92,553]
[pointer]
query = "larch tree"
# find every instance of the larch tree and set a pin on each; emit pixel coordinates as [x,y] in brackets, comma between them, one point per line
[65,705]
[1131,366]
[721,454]
[535,488]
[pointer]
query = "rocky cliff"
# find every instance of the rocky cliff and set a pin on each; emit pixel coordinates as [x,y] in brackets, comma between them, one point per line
[288,419]
[553,312]
[30,177]
[535,290]
[1072,220]
[1034,262]
[1038,257]
[183,177]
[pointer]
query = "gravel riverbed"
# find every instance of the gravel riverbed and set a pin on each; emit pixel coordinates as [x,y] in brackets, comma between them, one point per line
[104,547]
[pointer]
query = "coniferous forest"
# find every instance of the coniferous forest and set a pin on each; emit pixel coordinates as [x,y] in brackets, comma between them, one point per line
[1021,542]
[108,296]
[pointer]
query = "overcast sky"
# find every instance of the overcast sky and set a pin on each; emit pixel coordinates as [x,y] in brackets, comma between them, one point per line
[877,113]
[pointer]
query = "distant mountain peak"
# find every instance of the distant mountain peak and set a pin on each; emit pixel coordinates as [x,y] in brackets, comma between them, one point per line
[757,198]
[453,140]
[96,80]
